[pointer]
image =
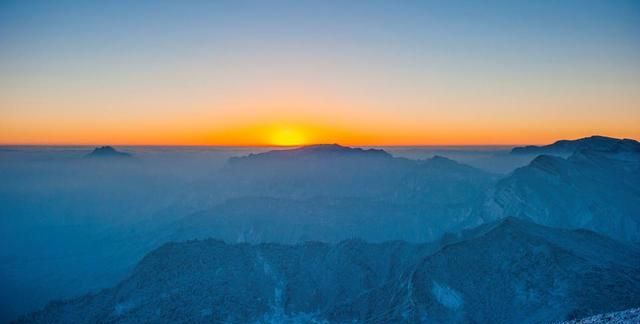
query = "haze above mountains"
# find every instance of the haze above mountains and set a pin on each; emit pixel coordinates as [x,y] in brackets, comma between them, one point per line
[549,235]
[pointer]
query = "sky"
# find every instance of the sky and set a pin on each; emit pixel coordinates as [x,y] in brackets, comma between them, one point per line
[300,72]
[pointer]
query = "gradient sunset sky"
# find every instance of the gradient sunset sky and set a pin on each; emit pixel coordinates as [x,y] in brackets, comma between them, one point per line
[298,72]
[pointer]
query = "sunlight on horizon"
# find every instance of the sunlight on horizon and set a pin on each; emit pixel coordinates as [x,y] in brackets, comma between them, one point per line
[287,137]
[358,73]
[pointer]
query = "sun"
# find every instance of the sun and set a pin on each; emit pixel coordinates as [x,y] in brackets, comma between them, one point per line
[287,137]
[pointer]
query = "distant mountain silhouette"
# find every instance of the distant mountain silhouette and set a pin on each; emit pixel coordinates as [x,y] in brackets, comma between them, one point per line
[107,151]
[596,143]
[317,151]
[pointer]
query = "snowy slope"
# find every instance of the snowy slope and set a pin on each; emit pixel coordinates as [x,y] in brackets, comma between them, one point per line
[624,317]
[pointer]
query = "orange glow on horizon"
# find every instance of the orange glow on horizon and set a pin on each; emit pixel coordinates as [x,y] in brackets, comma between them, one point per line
[294,134]
[288,137]
[263,129]
[263,82]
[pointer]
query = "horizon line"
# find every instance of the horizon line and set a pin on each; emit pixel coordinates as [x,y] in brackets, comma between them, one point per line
[266,145]
[305,144]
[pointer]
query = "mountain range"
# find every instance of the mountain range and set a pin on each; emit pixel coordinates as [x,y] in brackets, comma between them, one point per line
[332,193]
[596,189]
[338,234]
[326,193]
[506,271]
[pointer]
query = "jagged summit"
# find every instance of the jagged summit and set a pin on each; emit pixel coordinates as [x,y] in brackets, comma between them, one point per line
[107,151]
[596,143]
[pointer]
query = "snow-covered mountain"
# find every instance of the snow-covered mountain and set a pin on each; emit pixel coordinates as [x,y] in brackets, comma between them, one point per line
[509,271]
[594,189]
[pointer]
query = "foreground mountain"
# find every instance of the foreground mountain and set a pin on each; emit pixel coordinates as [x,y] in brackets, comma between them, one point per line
[592,189]
[107,152]
[339,193]
[210,281]
[509,271]
[594,143]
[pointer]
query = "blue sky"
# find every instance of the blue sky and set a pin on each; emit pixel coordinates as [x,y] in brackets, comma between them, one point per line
[413,71]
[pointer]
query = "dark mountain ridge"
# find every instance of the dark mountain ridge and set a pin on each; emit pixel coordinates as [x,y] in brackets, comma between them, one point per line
[595,143]
[316,151]
[509,271]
